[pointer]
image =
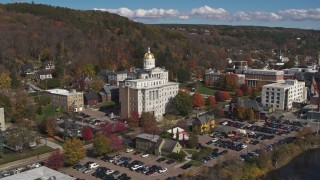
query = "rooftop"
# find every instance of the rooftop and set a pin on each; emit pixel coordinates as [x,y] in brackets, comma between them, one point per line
[63,92]
[285,84]
[149,137]
[40,173]
[263,71]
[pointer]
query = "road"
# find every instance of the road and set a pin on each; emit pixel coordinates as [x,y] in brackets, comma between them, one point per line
[34,86]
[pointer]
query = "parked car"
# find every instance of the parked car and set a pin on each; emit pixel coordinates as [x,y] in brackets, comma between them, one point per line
[87,170]
[129,150]
[144,155]
[163,170]
[110,171]
[92,165]
[161,159]
[171,161]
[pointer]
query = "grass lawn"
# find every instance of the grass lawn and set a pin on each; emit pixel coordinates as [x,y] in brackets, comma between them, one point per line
[105,104]
[195,163]
[14,156]
[190,151]
[47,111]
[206,90]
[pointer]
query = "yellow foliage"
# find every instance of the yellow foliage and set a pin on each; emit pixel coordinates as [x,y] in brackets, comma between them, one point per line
[5,81]
[73,151]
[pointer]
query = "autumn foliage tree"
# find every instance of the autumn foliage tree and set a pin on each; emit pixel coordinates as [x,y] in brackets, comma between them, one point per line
[229,82]
[182,103]
[48,126]
[87,133]
[239,93]
[197,100]
[211,100]
[115,142]
[101,145]
[148,123]
[55,160]
[73,151]
[245,89]
[133,120]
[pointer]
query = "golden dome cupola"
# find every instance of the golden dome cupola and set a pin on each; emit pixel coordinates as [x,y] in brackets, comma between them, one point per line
[149,60]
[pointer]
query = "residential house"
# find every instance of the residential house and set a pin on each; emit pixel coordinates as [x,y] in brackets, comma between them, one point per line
[204,122]
[90,98]
[259,111]
[157,145]
[42,75]
[82,83]
[48,65]
[102,97]
[26,69]
[111,92]
[182,133]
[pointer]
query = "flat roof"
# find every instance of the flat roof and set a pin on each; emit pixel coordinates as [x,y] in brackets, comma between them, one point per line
[39,173]
[63,92]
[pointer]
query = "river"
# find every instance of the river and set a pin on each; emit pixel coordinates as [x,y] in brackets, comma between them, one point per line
[304,167]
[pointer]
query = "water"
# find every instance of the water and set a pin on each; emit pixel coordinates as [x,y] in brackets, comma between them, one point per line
[304,167]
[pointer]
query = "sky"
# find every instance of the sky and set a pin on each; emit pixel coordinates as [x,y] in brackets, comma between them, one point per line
[304,14]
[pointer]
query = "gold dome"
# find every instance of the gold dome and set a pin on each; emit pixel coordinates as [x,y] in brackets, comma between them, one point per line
[149,55]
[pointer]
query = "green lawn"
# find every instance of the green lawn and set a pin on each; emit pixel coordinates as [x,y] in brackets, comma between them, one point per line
[47,111]
[190,151]
[195,163]
[206,90]
[14,156]
[105,104]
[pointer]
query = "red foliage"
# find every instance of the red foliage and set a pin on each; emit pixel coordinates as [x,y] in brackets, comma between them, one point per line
[197,100]
[115,142]
[239,93]
[218,96]
[226,96]
[133,120]
[120,127]
[55,160]
[245,89]
[212,100]
[87,133]
[108,128]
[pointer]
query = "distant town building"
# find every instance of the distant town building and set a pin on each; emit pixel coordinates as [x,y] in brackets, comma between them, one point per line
[48,65]
[91,98]
[43,75]
[68,100]
[151,92]
[2,119]
[26,69]
[212,77]
[262,77]
[282,95]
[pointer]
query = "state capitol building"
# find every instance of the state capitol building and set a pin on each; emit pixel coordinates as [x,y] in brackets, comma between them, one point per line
[150,92]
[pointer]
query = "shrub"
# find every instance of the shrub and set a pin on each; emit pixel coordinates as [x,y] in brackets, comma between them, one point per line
[177,156]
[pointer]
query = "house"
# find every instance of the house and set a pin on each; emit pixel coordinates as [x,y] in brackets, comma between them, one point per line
[48,65]
[259,112]
[165,147]
[102,97]
[42,75]
[204,123]
[182,133]
[111,92]
[26,69]
[90,98]
[157,145]
[83,83]
[146,142]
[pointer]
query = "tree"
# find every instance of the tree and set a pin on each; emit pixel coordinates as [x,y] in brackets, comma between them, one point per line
[133,120]
[182,123]
[5,81]
[229,82]
[97,85]
[49,126]
[148,123]
[253,96]
[177,134]
[197,100]
[245,89]
[182,103]
[101,145]
[73,151]
[55,160]
[183,75]
[115,142]
[217,111]
[88,70]
[219,96]
[239,93]
[226,95]
[250,115]
[211,100]
[240,112]
[288,65]
[120,127]
[87,133]
[193,140]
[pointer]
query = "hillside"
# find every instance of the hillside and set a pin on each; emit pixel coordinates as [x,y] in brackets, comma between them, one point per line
[33,33]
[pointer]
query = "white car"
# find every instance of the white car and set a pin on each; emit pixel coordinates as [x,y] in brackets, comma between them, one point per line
[243,146]
[135,167]
[163,170]
[144,155]
[87,170]
[93,165]
[110,171]
[129,150]
[225,123]
[214,140]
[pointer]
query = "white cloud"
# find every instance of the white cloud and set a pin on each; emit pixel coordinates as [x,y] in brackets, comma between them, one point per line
[143,13]
[301,14]
[265,16]
[241,16]
[184,17]
[208,12]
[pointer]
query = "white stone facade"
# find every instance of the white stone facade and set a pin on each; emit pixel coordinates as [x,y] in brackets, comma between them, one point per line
[150,93]
[282,95]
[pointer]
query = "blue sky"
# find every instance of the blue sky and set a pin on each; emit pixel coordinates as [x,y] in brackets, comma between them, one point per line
[303,14]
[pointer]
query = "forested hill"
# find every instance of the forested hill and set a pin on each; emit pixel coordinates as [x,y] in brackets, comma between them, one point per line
[33,33]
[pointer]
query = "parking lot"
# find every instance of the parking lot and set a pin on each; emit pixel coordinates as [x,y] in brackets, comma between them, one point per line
[172,169]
